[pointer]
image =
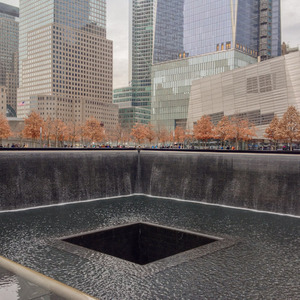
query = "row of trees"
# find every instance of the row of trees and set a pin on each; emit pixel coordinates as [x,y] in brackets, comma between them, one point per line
[228,129]
[236,129]
[286,129]
[55,131]
[233,130]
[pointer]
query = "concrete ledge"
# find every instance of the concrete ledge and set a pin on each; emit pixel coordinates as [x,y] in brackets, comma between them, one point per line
[43,281]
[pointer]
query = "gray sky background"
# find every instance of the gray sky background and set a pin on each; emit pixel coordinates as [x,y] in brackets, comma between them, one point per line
[117,30]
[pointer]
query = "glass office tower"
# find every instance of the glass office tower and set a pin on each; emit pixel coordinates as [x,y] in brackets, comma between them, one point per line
[9,44]
[156,35]
[65,60]
[165,30]
[217,25]
[269,29]
[172,81]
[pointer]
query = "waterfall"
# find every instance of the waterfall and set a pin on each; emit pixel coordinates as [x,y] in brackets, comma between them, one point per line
[268,182]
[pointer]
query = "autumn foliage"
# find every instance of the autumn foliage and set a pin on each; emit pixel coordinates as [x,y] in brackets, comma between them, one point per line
[163,136]
[234,129]
[5,131]
[93,130]
[150,134]
[203,129]
[139,132]
[230,130]
[33,126]
[222,129]
[240,130]
[272,132]
[179,135]
[286,129]
[56,131]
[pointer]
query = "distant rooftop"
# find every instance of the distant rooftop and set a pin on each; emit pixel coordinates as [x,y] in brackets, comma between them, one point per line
[9,10]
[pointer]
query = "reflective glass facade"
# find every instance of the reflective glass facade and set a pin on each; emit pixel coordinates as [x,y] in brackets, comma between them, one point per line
[216,25]
[165,30]
[129,114]
[276,28]
[156,35]
[32,16]
[9,44]
[269,29]
[169,30]
[70,13]
[162,30]
[85,14]
[247,27]
[172,81]
[223,25]
[142,35]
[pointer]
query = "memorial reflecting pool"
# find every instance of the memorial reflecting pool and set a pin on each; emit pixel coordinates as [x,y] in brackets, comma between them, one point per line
[257,259]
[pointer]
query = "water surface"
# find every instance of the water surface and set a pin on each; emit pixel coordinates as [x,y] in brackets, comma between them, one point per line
[264,262]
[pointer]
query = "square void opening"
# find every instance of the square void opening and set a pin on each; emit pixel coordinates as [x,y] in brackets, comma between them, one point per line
[140,243]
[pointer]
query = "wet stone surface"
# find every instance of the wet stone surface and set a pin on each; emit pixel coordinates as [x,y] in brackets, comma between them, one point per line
[260,260]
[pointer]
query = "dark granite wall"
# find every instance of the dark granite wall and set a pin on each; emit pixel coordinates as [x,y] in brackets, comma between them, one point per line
[267,182]
[40,178]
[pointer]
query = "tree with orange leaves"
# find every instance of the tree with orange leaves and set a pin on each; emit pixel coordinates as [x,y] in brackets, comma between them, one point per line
[163,135]
[203,129]
[47,130]
[5,131]
[33,126]
[126,137]
[289,126]
[73,132]
[222,129]
[139,132]
[272,132]
[150,133]
[93,130]
[240,130]
[179,135]
[58,131]
[189,136]
[116,134]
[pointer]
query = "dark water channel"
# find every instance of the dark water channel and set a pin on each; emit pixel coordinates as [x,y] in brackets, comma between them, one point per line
[262,263]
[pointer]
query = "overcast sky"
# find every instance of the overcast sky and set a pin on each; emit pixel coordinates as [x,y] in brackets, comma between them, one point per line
[117,30]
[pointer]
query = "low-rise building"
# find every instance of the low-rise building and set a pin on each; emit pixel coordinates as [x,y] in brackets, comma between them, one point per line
[256,92]
[172,81]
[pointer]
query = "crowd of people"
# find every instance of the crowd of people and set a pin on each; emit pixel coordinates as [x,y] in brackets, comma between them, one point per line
[13,145]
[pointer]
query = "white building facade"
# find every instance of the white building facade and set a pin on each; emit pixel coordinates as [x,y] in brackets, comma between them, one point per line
[256,92]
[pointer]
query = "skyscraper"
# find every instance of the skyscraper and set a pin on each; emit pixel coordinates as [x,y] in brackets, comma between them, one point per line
[251,26]
[9,44]
[166,30]
[156,35]
[269,29]
[65,60]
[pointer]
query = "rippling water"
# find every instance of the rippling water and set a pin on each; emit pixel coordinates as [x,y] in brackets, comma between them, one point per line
[264,263]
